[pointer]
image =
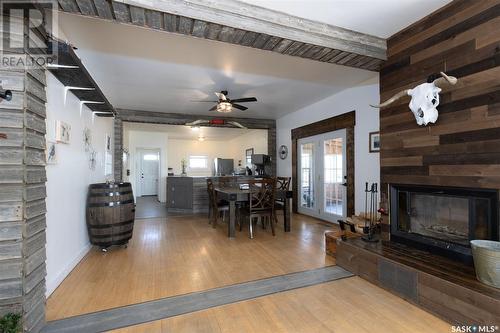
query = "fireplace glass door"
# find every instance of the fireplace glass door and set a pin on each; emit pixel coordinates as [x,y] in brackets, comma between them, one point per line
[443,217]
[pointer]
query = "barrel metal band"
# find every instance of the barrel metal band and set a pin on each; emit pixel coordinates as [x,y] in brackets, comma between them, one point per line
[110,204]
[109,194]
[110,225]
[113,235]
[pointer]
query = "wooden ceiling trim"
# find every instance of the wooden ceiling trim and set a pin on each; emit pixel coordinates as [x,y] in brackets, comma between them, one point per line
[79,77]
[363,51]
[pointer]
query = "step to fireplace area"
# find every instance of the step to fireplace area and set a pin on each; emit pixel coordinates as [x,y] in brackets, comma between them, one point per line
[447,288]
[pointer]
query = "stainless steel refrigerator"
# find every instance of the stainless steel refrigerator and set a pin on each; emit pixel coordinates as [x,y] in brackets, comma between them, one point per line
[223,166]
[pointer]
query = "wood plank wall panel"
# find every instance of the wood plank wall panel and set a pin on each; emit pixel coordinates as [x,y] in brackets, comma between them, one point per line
[463,147]
[22,196]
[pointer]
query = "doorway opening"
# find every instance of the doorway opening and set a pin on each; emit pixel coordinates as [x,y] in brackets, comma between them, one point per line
[148,176]
[323,168]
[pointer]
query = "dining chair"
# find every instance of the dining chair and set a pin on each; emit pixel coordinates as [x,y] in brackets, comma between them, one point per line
[261,203]
[215,207]
[282,184]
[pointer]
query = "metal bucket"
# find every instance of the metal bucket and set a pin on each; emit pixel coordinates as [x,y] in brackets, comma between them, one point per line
[487,261]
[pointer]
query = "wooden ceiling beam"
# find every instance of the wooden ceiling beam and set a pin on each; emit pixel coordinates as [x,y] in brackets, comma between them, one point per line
[246,16]
[242,24]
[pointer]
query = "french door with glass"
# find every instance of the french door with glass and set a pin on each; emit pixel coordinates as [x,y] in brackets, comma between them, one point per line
[322,175]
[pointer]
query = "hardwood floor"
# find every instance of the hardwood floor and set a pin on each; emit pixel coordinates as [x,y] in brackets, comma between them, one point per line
[348,305]
[181,254]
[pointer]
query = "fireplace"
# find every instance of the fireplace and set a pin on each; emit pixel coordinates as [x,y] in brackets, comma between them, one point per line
[443,219]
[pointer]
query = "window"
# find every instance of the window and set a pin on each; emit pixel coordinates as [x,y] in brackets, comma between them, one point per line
[150,157]
[198,162]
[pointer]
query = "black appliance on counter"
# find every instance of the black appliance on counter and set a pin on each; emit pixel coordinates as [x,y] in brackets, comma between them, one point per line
[262,164]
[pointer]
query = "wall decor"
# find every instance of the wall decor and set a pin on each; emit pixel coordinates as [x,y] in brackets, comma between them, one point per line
[87,138]
[424,99]
[248,156]
[92,159]
[62,132]
[283,151]
[374,142]
[108,142]
[51,152]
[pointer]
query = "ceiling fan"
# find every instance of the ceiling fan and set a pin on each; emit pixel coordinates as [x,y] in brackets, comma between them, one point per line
[225,105]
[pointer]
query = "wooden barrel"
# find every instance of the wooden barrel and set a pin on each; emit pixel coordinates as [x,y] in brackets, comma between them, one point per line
[110,213]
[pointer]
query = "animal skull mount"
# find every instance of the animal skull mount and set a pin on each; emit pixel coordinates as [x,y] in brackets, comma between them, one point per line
[424,99]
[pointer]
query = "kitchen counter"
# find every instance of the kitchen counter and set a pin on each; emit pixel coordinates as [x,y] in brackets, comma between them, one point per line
[189,193]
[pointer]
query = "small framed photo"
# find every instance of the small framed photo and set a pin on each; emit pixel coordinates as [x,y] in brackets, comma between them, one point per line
[62,132]
[374,142]
[51,152]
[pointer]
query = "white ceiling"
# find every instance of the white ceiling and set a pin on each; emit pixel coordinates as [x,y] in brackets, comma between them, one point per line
[381,18]
[140,69]
[186,133]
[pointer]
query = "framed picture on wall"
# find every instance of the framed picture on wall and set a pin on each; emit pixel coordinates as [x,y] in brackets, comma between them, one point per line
[108,142]
[51,152]
[374,142]
[62,131]
[248,156]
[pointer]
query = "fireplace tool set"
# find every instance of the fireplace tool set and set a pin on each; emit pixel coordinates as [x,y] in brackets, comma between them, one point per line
[371,213]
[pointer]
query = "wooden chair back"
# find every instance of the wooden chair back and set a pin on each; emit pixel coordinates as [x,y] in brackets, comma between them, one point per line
[227,181]
[283,183]
[212,195]
[262,194]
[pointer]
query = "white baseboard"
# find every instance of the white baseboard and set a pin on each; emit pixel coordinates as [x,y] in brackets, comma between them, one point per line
[53,283]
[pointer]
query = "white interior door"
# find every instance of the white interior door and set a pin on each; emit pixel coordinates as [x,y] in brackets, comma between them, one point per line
[149,167]
[322,175]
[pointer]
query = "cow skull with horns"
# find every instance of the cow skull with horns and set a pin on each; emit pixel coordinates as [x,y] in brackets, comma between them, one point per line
[424,99]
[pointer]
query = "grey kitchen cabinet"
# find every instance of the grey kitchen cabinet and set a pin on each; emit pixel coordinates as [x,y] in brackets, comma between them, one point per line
[180,192]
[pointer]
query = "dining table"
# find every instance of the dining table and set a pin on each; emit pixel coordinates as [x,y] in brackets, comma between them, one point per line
[234,194]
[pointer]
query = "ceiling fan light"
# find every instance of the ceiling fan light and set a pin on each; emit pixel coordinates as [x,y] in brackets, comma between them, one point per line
[224,107]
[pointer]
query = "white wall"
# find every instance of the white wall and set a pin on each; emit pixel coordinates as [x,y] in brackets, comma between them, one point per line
[367,165]
[256,139]
[67,181]
[183,148]
[234,148]
[152,140]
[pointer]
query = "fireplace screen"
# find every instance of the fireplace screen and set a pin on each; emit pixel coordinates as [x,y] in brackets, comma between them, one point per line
[443,217]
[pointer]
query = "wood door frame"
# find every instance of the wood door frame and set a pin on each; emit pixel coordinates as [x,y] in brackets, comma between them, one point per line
[347,121]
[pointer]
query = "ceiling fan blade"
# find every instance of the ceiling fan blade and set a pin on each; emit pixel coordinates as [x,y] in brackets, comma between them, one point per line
[240,107]
[205,101]
[221,96]
[243,100]
[213,108]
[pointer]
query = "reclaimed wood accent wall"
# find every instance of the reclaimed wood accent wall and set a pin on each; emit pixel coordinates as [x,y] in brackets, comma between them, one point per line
[463,147]
[22,195]
[347,121]
[368,53]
